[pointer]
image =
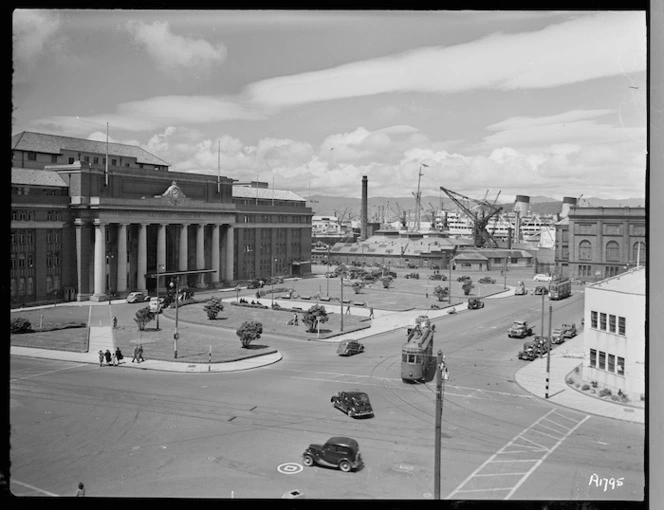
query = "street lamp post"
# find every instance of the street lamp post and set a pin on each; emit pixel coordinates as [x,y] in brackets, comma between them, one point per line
[237,293]
[176,334]
[160,268]
[272,282]
[341,280]
[327,276]
[449,287]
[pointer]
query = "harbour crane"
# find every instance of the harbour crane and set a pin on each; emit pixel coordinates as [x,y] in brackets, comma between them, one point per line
[480,215]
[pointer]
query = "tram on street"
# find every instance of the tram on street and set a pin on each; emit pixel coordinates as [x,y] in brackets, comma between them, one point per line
[560,289]
[418,362]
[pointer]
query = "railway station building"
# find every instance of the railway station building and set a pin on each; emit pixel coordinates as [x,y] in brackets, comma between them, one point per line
[91,219]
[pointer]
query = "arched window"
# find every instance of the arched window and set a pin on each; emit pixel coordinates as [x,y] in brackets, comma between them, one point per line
[612,251]
[639,253]
[585,250]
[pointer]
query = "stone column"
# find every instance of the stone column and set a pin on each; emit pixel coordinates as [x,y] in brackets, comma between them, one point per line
[161,253]
[200,254]
[183,253]
[100,263]
[229,253]
[122,260]
[82,260]
[142,261]
[215,255]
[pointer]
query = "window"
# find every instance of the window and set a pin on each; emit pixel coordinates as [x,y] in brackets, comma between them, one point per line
[612,251]
[54,158]
[638,230]
[31,286]
[602,321]
[95,160]
[585,250]
[621,326]
[71,161]
[611,367]
[612,230]
[584,228]
[593,358]
[602,360]
[621,366]
[49,284]
[114,162]
[86,159]
[32,156]
[612,323]
[21,286]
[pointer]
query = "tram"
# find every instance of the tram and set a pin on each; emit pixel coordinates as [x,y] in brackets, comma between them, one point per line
[418,362]
[560,289]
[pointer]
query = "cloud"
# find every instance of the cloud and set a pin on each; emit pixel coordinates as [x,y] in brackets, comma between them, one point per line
[35,34]
[584,48]
[172,52]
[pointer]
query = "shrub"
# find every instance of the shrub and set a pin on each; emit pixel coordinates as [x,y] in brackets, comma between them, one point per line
[440,292]
[594,384]
[585,387]
[143,316]
[570,381]
[20,325]
[315,315]
[615,398]
[213,306]
[357,287]
[576,370]
[605,392]
[249,331]
[386,281]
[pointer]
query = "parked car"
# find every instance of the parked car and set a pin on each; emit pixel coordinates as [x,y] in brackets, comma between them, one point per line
[354,403]
[519,329]
[255,284]
[349,347]
[415,276]
[435,267]
[541,290]
[475,304]
[487,279]
[559,335]
[411,266]
[437,276]
[137,297]
[338,452]
[542,278]
[464,278]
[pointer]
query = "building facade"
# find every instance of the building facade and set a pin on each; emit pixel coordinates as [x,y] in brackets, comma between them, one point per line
[593,243]
[91,219]
[614,332]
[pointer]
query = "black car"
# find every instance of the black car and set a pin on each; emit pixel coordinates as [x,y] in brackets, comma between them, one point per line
[349,347]
[464,278]
[338,452]
[354,403]
[487,279]
[541,290]
[436,277]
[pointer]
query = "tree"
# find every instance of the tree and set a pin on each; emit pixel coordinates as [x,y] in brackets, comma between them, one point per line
[20,325]
[315,315]
[357,287]
[387,281]
[213,307]
[249,331]
[467,286]
[440,292]
[143,316]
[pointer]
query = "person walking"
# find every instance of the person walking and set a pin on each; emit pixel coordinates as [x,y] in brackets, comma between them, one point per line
[295,319]
[101,357]
[348,310]
[80,492]
[135,358]
[115,322]
[140,353]
[114,358]
[108,357]
[118,354]
[371,314]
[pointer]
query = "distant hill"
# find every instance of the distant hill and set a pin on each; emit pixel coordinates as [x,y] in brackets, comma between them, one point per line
[390,206]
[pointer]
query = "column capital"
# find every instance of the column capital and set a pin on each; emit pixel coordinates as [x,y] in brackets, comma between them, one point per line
[98,223]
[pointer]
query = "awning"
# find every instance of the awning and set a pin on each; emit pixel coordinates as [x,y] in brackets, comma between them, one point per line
[299,263]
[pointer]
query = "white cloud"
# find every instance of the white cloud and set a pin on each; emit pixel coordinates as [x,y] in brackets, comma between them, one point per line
[588,47]
[35,34]
[172,52]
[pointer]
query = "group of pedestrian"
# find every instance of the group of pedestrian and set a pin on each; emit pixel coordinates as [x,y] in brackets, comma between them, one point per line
[138,354]
[110,358]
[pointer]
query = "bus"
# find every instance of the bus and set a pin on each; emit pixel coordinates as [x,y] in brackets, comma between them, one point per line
[560,289]
[418,362]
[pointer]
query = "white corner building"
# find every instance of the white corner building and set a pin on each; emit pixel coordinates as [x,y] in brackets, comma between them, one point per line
[614,332]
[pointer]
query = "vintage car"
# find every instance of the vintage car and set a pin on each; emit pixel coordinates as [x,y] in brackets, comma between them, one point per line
[519,329]
[354,403]
[339,452]
[542,278]
[437,276]
[487,279]
[137,297]
[520,289]
[464,278]
[541,290]
[475,304]
[255,284]
[528,353]
[349,347]
[415,276]
[559,335]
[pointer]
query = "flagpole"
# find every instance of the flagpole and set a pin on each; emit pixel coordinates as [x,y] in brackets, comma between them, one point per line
[106,167]
[219,167]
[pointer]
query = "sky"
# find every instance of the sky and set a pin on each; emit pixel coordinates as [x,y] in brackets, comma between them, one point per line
[537,103]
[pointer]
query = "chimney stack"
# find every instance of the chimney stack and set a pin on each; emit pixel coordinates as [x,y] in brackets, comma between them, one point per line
[567,203]
[364,212]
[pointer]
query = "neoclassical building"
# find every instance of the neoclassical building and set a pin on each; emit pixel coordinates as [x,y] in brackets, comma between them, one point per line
[90,219]
[593,243]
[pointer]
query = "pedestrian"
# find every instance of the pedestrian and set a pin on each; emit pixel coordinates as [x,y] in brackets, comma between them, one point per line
[115,322]
[114,358]
[258,294]
[135,358]
[80,492]
[371,314]
[295,319]
[101,357]
[108,356]
[140,353]
[348,310]
[427,295]
[118,354]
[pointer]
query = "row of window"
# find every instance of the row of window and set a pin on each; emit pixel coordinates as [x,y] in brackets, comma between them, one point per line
[28,215]
[26,286]
[609,362]
[612,251]
[265,218]
[610,229]
[598,320]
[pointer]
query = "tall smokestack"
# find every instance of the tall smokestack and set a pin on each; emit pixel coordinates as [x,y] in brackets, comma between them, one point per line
[567,203]
[521,205]
[364,213]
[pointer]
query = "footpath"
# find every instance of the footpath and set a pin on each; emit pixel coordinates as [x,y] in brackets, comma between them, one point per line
[532,377]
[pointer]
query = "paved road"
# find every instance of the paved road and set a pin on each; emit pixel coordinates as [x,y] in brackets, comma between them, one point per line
[147,433]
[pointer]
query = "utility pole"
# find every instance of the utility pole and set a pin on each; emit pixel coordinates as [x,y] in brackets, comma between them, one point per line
[548,354]
[449,286]
[441,375]
[542,328]
[341,280]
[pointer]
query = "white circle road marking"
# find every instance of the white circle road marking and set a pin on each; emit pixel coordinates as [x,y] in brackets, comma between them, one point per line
[290,468]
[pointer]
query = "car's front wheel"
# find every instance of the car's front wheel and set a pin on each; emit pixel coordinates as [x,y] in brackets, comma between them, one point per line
[308,460]
[345,466]
[349,412]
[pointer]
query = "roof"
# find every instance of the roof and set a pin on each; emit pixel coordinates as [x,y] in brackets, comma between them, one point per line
[343,441]
[55,144]
[31,177]
[632,281]
[262,193]
[470,255]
